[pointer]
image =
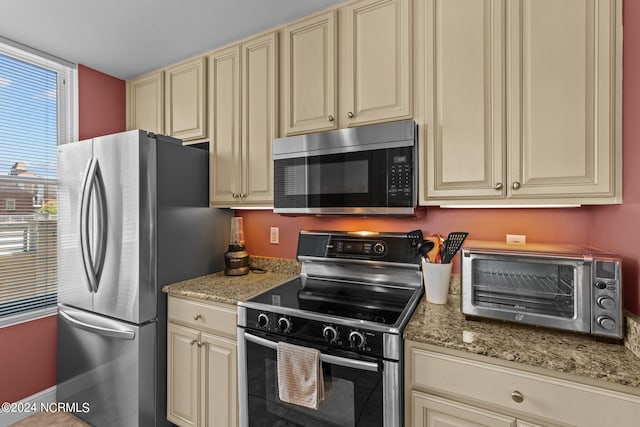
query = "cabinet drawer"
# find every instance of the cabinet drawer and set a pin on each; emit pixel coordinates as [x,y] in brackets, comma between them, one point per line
[215,317]
[560,400]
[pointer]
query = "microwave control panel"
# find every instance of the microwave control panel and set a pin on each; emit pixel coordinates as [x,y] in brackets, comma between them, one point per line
[400,182]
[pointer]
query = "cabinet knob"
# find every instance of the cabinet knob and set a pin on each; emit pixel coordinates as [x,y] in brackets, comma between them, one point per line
[242,195]
[498,186]
[234,195]
[330,117]
[199,343]
[197,316]
[350,115]
[515,185]
[517,397]
[193,342]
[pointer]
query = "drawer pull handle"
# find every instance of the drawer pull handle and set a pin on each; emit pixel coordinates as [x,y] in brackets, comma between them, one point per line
[197,316]
[350,115]
[498,186]
[517,396]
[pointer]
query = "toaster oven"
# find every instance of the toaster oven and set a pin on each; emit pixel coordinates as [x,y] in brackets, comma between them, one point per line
[566,287]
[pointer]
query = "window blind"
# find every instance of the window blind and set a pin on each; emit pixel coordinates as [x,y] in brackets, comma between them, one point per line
[34,119]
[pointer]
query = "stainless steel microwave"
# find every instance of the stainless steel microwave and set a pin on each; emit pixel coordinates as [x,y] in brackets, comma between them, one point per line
[566,287]
[368,170]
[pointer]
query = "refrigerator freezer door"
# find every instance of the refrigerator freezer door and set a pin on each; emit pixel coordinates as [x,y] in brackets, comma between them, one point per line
[74,160]
[106,369]
[127,289]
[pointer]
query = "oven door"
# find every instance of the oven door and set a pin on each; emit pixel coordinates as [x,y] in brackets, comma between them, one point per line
[358,392]
[374,181]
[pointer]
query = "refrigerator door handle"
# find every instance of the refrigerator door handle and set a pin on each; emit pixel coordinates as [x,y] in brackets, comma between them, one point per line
[102,224]
[107,327]
[85,196]
[93,265]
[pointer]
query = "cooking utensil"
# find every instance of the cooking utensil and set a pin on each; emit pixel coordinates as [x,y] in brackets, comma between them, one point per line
[452,245]
[434,253]
[415,237]
[424,247]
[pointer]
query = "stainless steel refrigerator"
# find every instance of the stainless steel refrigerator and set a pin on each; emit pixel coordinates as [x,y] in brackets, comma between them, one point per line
[133,215]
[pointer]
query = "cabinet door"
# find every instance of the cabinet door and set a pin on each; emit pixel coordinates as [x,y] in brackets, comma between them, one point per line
[561,74]
[309,75]
[432,411]
[145,103]
[224,106]
[219,388]
[185,100]
[259,117]
[464,99]
[375,61]
[182,375]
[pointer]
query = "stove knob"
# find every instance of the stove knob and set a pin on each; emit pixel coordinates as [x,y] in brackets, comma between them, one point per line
[263,320]
[284,325]
[356,339]
[378,248]
[606,322]
[607,303]
[330,334]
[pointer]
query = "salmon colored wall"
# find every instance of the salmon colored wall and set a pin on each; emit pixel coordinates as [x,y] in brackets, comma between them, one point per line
[570,225]
[28,350]
[617,228]
[27,358]
[101,103]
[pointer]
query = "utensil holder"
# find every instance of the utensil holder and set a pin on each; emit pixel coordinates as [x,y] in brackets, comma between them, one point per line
[435,278]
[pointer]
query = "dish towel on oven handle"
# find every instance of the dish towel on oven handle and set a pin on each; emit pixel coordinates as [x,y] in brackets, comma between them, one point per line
[300,379]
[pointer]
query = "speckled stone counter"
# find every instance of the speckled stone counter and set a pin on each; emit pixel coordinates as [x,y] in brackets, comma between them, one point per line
[572,353]
[217,287]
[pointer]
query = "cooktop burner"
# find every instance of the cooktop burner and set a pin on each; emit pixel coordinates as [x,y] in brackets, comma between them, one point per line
[361,301]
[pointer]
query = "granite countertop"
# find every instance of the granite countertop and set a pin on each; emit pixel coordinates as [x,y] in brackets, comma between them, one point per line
[223,289]
[567,352]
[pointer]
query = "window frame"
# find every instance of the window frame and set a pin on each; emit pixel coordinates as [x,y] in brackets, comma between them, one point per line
[67,121]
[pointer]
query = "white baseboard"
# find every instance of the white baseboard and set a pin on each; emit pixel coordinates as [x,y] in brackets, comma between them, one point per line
[34,401]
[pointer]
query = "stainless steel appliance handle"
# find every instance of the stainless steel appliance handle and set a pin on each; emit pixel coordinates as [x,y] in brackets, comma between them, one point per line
[85,196]
[108,328]
[327,358]
[102,224]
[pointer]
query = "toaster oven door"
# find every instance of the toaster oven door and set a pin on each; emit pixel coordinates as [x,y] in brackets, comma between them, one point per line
[551,292]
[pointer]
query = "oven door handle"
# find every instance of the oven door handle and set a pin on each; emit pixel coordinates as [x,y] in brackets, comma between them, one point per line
[327,358]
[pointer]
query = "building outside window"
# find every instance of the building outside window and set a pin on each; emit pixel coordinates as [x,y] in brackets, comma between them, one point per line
[37,113]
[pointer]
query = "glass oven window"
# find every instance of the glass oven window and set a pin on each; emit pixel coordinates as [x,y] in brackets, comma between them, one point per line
[353,397]
[541,288]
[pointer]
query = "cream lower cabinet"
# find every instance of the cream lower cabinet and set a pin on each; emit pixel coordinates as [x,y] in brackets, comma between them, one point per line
[442,389]
[145,103]
[243,101]
[201,364]
[522,101]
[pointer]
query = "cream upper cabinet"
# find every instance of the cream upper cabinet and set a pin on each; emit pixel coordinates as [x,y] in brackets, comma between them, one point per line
[243,100]
[375,62]
[225,115]
[562,97]
[145,103]
[185,102]
[309,75]
[259,117]
[464,91]
[521,101]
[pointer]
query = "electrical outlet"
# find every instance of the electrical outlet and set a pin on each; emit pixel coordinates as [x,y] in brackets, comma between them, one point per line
[516,239]
[274,236]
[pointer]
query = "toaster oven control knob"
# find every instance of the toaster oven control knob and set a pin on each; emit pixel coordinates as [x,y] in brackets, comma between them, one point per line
[356,339]
[284,325]
[263,320]
[606,322]
[378,248]
[607,303]
[600,285]
[330,334]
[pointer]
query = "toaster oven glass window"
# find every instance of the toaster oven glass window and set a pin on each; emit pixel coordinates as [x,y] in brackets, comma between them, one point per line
[526,287]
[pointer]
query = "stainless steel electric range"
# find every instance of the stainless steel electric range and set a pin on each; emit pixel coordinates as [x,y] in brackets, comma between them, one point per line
[352,301]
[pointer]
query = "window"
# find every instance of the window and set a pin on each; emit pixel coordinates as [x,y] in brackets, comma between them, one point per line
[36,114]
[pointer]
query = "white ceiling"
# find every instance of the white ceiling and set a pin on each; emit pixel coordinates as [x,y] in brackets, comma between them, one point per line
[127,38]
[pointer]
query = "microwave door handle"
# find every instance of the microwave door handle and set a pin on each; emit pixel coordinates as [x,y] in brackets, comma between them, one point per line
[85,245]
[327,358]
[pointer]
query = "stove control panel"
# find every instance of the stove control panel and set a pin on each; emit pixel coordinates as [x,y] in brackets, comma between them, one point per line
[316,332]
